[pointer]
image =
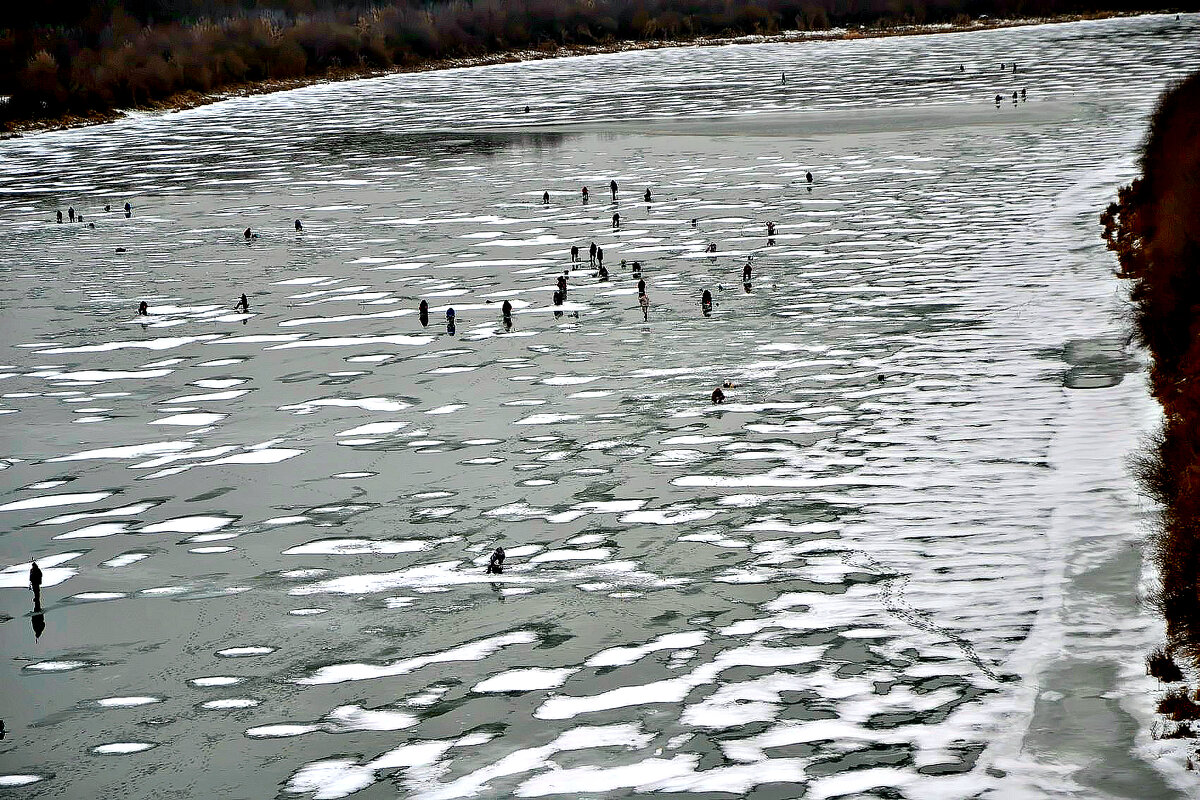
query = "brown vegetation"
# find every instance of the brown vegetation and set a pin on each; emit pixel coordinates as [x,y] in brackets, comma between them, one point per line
[1159,664]
[1179,706]
[1154,228]
[75,58]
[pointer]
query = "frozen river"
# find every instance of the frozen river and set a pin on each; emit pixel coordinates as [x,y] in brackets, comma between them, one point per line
[901,560]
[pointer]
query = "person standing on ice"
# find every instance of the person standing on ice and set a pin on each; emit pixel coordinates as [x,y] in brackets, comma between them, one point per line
[35,583]
[592,254]
[644,302]
[612,185]
[585,194]
[496,562]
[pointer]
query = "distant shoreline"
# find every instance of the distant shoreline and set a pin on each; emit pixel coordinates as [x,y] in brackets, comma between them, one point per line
[188,100]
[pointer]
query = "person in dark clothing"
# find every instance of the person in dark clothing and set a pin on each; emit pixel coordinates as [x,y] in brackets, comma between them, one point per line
[496,562]
[299,227]
[647,195]
[585,194]
[616,221]
[59,213]
[602,273]
[592,254]
[718,396]
[71,213]
[808,177]
[612,185]
[423,313]
[706,299]
[600,256]
[143,309]
[506,309]
[574,253]
[246,233]
[746,272]
[243,305]
[641,287]
[545,198]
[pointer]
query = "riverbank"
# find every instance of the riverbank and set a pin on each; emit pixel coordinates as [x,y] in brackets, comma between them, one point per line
[1154,227]
[192,99]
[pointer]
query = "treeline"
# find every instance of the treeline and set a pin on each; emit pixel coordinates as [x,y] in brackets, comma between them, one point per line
[79,56]
[1154,227]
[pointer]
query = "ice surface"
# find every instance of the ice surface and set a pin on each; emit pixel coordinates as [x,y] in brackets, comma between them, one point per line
[524,680]
[853,577]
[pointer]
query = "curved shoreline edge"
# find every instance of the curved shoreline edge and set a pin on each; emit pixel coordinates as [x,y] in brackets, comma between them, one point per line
[187,100]
[1154,228]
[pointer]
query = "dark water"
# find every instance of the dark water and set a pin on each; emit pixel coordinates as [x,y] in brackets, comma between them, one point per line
[899,561]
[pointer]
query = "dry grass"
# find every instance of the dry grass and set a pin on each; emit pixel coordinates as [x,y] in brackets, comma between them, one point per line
[1154,228]
[1178,705]
[1159,664]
